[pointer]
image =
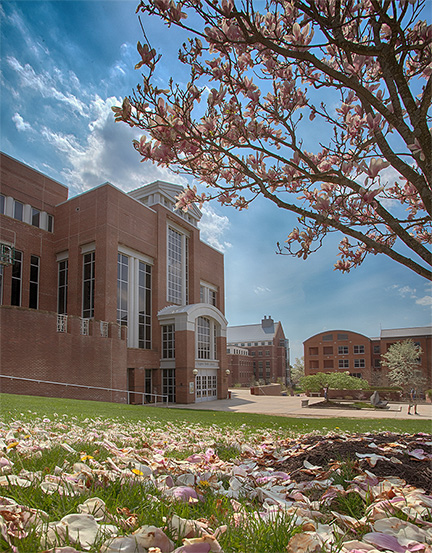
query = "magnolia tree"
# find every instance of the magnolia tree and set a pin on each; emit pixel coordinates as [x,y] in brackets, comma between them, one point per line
[297,371]
[402,361]
[320,106]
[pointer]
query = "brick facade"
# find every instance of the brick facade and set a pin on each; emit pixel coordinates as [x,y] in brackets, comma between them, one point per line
[90,233]
[343,350]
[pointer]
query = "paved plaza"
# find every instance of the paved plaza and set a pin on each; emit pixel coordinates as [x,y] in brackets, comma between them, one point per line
[242,401]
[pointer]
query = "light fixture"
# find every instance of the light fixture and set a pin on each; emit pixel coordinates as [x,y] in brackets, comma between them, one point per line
[227,372]
[195,372]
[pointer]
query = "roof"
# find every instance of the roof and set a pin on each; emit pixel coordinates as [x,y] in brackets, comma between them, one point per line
[251,333]
[160,190]
[406,332]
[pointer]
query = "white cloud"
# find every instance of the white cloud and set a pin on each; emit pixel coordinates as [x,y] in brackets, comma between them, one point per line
[403,291]
[20,124]
[99,150]
[425,300]
[411,293]
[105,153]
[213,227]
[46,84]
[261,290]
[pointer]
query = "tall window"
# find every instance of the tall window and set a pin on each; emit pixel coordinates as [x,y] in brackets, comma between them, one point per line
[2,203]
[168,384]
[34,282]
[88,285]
[1,283]
[122,289]
[35,221]
[62,287]
[168,341]
[50,223]
[206,335]
[18,210]
[134,299]
[203,329]
[177,267]
[17,279]
[144,305]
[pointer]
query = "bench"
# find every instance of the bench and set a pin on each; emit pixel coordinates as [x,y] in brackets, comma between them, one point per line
[304,402]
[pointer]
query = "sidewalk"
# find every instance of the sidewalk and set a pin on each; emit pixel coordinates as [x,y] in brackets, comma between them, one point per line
[242,401]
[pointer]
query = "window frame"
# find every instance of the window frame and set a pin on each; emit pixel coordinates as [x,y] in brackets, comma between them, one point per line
[168,341]
[88,296]
[122,289]
[17,280]
[35,213]
[177,265]
[206,342]
[15,204]
[34,282]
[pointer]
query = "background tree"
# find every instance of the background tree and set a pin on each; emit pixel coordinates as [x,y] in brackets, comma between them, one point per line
[242,124]
[335,381]
[297,371]
[402,360]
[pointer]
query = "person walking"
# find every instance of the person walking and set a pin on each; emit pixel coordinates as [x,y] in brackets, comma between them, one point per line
[412,402]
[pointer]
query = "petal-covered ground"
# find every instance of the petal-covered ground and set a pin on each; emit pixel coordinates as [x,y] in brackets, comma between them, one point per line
[113,486]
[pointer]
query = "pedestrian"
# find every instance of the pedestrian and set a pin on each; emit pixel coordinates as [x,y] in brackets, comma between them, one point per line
[412,402]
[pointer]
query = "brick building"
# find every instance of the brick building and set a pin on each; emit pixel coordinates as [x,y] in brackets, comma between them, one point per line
[343,350]
[268,347]
[107,290]
[241,367]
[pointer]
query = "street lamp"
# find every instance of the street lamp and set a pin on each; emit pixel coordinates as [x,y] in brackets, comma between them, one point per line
[227,372]
[195,372]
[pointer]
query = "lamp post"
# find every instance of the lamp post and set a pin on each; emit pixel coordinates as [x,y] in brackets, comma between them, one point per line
[228,372]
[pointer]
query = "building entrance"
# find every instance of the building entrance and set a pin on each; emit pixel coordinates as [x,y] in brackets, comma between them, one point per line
[206,385]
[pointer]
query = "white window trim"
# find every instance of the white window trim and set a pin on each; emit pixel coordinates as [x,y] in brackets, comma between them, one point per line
[207,287]
[129,252]
[88,248]
[62,256]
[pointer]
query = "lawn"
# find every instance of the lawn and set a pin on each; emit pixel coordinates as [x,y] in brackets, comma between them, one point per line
[27,407]
[112,478]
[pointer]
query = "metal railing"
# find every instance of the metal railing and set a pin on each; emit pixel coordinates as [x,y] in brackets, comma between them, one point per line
[144,395]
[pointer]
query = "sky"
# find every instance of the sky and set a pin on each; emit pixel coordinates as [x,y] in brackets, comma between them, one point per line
[65,63]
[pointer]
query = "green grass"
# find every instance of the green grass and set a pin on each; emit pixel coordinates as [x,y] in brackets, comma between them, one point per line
[29,407]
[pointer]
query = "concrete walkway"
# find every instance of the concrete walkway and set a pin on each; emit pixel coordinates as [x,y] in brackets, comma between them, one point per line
[242,401]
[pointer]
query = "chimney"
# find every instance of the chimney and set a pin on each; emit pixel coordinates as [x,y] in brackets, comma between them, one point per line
[267,323]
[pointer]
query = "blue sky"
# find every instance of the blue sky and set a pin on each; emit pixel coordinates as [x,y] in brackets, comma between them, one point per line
[65,63]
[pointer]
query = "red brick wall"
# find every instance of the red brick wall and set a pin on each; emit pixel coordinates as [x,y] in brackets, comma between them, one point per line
[29,186]
[59,357]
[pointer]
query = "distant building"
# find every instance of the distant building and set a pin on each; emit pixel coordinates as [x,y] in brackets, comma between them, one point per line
[241,366]
[343,350]
[266,345]
[107,290]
